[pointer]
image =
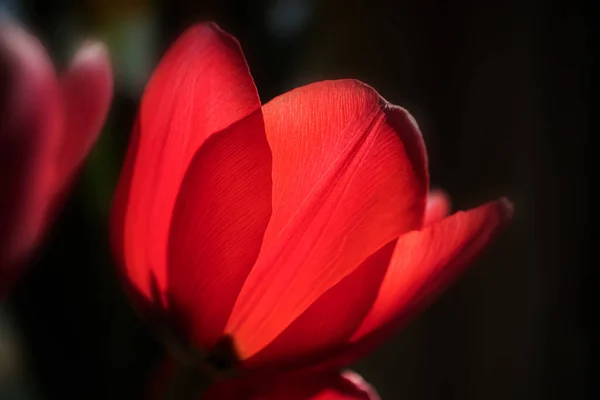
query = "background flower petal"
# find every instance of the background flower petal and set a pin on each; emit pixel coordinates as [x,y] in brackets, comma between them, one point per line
[87,92]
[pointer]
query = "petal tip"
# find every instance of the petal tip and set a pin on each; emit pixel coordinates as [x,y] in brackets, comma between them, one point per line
[506,208]
[439,205]
[18,44]
[366,390]
[406,114]
[439,192]
[91,51]
[207,27]
[440,195]
[212,25]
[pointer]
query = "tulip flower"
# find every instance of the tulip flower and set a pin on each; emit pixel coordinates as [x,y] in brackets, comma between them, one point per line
[49,124]
[290,237]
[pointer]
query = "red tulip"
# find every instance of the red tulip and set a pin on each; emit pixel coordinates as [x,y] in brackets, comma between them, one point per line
[296,231]
[49,125]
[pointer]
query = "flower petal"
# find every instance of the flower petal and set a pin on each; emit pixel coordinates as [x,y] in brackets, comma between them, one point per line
[201,87]
[424,263]
[349,176]
[87,91]
[330,386]
[329,321]
[438,207]
[218,224]
[29,131]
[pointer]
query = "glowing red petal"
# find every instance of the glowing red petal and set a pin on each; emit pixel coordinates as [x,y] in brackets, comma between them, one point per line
[424,263]
[349,176]
[218,224]
[201,87]
[329,321]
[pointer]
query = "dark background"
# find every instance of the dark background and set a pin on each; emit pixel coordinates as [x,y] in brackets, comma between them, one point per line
[500,89]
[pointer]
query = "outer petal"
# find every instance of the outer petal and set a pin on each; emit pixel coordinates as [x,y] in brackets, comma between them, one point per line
[200,87]
[218,224]
[329,321]
[438,207]
[30,125]
[424,263]
[349,176]
[332,386]
[87,91]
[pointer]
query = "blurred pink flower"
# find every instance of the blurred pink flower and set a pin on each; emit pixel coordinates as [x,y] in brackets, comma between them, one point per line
[48,126]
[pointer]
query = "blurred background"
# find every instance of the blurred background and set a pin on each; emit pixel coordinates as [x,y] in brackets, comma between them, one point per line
[500,89]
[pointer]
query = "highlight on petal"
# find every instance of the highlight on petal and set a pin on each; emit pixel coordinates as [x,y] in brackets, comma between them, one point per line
[30,125]
[201,87]
[327,386]
[87,92]
[424,263]
[349,176]
[437,208]
[360,384]
[218,224]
